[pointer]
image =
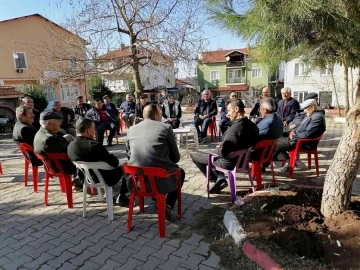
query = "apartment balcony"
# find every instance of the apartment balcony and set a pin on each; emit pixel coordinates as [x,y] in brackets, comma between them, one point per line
[240,80]
[235,64]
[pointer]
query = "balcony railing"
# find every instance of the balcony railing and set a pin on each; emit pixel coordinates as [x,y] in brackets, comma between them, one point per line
[236,80]
[235,64]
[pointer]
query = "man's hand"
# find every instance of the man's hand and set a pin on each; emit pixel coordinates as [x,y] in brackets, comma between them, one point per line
[285,123]
[292,126]
[218,146]
[206,116]
[201,117]
[291,134]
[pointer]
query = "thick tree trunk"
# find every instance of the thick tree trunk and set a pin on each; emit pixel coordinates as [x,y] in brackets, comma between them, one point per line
[343,169]
[346,87]
[137,80]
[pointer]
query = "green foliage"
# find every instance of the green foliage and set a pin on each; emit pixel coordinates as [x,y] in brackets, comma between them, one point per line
[118,98]
[131,88]
[97,88]
[34,91]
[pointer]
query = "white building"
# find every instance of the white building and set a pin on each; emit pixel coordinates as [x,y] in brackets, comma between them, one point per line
[302,80]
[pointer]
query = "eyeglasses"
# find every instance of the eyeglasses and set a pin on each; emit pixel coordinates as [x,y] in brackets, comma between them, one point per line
[205,94]
[232,96]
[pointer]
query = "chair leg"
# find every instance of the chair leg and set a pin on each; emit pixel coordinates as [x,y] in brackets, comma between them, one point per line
[292,162]
[309,160]
[208,169]
[35,177]
[272,172]
[84,198]
[62,184]
[179,194]
[258,176]
[1,171]
[99,191]
[251,181]
[316,163]
[253,170]
[141,204]
[26,172]
[131,209]
[92,191]
[109,202]
[232,185]
[68,188]
[47,176]
[161,214]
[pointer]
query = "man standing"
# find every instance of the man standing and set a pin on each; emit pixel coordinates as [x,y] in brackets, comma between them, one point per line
[171,111]
[205,109]
[241,134]
[223,112]
[287,107]
[151,143]
[164,97]
[29,102]
[86,149]
[104,119]
[139,109]
[255,112]
[128,109]
[81,108]
[68,117]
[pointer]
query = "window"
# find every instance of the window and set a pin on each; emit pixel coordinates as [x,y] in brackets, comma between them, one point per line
[300,95]
[230,74]
[238,73]
[69,92]
[49,91]
[301,70]
[325,71]
[215,75]
[20,60]
[72,63]
[255,72]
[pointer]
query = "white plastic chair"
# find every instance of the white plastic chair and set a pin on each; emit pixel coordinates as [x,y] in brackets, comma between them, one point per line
[95,166]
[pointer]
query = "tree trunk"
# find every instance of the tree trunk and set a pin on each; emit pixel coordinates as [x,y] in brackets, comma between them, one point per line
[336,94]
[346,87]
[137,80]
[343,169]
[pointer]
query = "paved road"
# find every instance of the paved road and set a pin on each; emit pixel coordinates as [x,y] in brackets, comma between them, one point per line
[33,236]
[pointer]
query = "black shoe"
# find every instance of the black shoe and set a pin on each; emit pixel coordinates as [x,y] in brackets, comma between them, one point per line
[110,144]
[124,200]
[218,186]
[201,140]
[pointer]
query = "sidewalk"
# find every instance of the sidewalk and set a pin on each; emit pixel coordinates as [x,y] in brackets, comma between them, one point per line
[33,236]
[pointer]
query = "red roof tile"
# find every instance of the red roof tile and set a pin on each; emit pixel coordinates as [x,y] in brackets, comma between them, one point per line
[9,92]
[219,56]
[180,82]
[242,87]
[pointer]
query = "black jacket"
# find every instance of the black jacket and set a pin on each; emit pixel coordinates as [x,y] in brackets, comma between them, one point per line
[36,123]
[89,150]
[288,113]
[113,108]
[139,109]
[241,134]
[66,122]
[81,110]
[206,108]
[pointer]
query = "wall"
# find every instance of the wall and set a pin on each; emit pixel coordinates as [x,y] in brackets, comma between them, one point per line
[204,75]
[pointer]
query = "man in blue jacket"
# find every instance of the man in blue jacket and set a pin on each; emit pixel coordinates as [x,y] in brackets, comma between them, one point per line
[311,127]
[287,107]
[271,126]
[223,112]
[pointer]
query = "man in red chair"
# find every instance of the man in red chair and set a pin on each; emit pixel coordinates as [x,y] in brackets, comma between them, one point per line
[312,126]
[241,134]
[205,109]
[155,148]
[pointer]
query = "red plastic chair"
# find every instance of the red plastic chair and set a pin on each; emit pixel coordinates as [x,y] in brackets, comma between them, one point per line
[65,179]
[295,154]
[1,171]
[242,165]
[212,128]
[268,148]
[141,192]
[25,149]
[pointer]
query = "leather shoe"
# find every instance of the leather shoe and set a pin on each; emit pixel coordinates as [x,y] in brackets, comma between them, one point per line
[124,200]
[218,186]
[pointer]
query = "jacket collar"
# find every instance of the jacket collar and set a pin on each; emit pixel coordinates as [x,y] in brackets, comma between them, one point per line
[236,121]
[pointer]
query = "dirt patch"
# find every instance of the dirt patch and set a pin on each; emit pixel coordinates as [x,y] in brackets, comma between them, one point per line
[292,220]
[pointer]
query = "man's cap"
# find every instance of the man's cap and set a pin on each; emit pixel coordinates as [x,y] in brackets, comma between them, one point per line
[143,96]
[312,95]
[106,96]
[308,103]
[79,97]
[48,115]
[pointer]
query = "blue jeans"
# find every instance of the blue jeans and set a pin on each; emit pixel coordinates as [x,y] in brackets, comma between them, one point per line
[205,124]
[222,126]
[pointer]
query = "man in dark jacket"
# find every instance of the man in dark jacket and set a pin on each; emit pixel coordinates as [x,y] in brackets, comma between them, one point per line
[171,112]
[205,109]
[81,108]
[29,102]
[287,107]
[86,149]
[68,117]
[111,106]
[128,109]
[139,108]
[104,119]
[311,127]
[271,126]
[223,112]
[241,134]
[24,132]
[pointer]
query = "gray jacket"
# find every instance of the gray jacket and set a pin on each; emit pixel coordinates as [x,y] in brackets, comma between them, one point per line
[152,144]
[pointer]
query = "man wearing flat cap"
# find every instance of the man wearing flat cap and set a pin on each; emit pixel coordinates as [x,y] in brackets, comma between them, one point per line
[139,108]
[81,108]
[47,141]
[311,127]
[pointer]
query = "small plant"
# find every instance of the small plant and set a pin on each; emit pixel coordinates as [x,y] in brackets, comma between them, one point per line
[34,90]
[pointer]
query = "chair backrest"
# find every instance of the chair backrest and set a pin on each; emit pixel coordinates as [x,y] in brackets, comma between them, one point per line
[314,142]
[25,149]
[242,162]
[52,162]
[138,178]
[85,167]
[267,148]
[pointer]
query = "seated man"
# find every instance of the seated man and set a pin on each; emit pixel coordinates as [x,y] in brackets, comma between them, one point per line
[205,109]
[241,134]
[171,111]
[81,108]
[111,106]
[223,112]
[155,148]
[128,109]
[139,108]
[104,119]
[287,107]
[311,127]
[68,117]
[85,148]
[271,126]
[24,132]
[29,102]
[255,114]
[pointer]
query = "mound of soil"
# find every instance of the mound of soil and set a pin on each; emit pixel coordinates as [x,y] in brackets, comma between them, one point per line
[293,214]
[302,243]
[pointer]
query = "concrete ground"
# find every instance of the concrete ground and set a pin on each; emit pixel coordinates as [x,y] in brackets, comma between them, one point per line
[33,236]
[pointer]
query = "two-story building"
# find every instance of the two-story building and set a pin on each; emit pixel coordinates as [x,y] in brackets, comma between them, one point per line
[35,49]
[225,71]
[302,79]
